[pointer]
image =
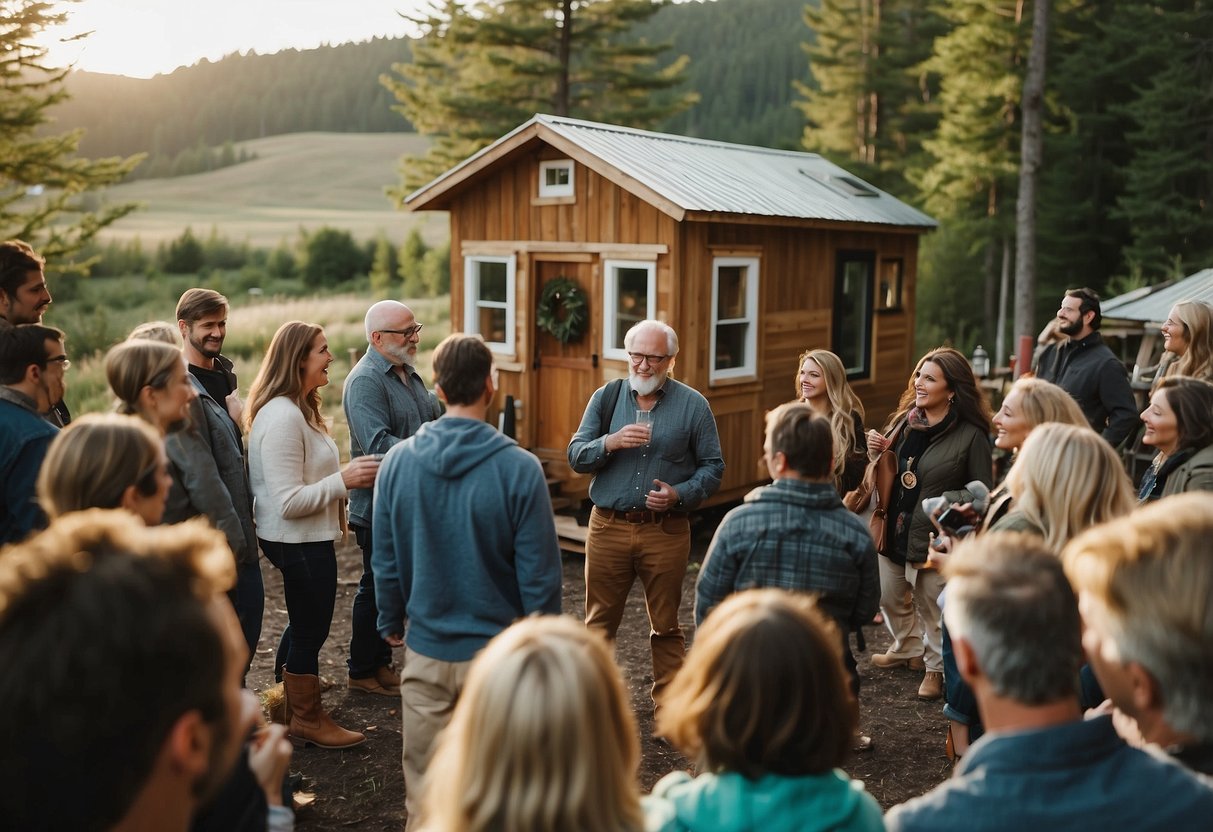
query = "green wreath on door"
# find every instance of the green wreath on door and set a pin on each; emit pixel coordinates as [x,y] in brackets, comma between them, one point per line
[562,310]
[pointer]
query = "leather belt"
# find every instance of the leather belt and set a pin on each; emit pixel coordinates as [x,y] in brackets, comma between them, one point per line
[640,517]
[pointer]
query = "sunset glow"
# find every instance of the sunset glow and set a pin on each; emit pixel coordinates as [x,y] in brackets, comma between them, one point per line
[142,38]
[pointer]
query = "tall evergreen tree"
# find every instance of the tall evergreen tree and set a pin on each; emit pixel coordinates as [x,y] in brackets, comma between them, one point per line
[1168,197]
[43,183]
[480,70]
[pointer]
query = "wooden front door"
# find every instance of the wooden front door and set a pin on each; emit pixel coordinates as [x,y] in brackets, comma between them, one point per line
[565,374]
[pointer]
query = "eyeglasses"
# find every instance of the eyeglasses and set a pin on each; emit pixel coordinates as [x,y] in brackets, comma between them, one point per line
[639,358]
[407,333]
[62,359]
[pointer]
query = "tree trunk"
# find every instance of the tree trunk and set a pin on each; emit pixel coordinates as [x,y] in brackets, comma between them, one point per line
[564,57]
[1031,148]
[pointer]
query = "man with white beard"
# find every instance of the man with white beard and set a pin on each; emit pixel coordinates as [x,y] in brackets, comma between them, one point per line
[649,471]
[385,401]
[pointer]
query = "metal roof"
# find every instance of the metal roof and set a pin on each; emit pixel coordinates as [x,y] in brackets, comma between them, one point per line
[699,175]
[1152,304]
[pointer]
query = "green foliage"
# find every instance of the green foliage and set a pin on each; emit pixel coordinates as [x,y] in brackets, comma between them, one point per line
[384,266]
[282,262]
[183,255]
[479,71]
[42,181]
[411,266]
[332,257]
[436,268]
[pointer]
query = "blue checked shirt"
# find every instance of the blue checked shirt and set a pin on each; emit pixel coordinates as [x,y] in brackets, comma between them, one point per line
[797,536]
[684,450]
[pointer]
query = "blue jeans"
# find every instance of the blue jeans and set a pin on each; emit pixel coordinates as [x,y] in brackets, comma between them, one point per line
[368,650]
[248,599]
[309,581]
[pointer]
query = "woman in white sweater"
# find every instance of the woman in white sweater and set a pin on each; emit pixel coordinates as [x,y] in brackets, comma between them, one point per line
[299,492]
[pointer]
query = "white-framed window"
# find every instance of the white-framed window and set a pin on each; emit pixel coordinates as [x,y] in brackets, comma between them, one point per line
[556,178]
[488,291]
[734,317]
[630,287]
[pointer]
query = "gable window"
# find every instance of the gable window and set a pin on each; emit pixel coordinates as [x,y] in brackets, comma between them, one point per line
[488,291]
[556,178]
[734,317]
[852,341]
[631,296]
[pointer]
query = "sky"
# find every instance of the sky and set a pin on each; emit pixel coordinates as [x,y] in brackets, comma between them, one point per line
[144,37]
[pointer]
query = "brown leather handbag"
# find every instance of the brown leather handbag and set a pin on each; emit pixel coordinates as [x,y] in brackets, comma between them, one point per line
[878,479]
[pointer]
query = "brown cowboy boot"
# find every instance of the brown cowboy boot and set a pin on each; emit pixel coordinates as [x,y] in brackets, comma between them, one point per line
[310,723]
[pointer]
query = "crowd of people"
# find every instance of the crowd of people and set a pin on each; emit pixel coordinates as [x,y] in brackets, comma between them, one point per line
[1058,610]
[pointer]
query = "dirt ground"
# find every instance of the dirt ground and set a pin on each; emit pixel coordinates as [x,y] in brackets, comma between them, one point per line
[363,788]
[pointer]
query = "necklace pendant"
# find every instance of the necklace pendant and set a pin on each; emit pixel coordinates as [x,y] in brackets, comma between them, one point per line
[909,480]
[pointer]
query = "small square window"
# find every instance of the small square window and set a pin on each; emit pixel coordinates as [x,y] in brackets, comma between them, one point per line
[556,178]
[888,289]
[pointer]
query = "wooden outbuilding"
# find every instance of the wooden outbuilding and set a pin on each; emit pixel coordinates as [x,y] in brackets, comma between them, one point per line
[752,255]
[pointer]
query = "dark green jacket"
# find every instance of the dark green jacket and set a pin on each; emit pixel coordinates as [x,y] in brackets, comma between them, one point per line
[1194,475]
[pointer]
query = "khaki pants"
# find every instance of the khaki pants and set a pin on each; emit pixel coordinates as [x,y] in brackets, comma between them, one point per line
[616,553]
[909,598]
[429,689]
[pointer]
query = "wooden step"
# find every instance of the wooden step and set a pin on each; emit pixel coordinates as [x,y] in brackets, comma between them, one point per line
[572,535]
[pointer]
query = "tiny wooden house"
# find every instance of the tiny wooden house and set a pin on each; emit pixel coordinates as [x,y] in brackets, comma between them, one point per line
[753,255]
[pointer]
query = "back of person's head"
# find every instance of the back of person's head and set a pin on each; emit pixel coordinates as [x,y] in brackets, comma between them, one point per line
[196,304]
[1042,401]
[1067,478]
[542,738]
[1008,597]
[281,373]
[92,462]
[1146,581]
[21,346]
[161,331]
[805,439]
[133,365]
[1089,302]
[1191,400]
[109,637]
[763,690]
[462,364]
[17,260]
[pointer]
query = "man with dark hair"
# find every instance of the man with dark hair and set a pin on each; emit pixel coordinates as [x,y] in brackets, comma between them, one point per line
[796,534]
[120,701]
[1144,583]
[1085,368]
[464,545]
[23,300]
[32,367]
[211,476]
[653,448]
[1015,630]
[385,401]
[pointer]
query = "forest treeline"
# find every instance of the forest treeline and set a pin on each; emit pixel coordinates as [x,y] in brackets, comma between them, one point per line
[922,97]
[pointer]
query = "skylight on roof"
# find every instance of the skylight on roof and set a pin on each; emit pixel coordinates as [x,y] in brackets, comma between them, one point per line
[845,185]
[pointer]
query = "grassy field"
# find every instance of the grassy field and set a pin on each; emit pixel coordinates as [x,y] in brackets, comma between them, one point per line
[301,180]
[250,327]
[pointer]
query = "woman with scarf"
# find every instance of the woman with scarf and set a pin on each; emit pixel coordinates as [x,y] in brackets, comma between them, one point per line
[940,435]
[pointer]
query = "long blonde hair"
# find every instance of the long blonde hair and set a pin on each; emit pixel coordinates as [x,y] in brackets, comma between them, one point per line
[281,374]
[1197,360]
[843,403]
[1066,479]
[92,462]
[542,740]
[1043,401]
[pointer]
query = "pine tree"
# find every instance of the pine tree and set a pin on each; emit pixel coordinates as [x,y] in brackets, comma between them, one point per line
[383,265]
[42,181]
[480,70]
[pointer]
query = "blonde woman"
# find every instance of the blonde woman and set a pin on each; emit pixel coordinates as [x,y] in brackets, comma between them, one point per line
[1187,338]
[150,380]
[106,461]
[762,704]
[161,331]
[821,383]
[1065,479]
[299,492]
[542,739]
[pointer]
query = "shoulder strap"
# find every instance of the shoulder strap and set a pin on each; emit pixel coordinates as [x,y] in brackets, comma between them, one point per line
[610,397]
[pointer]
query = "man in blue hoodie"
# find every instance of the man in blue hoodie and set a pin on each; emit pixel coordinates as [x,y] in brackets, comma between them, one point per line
[464,545]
